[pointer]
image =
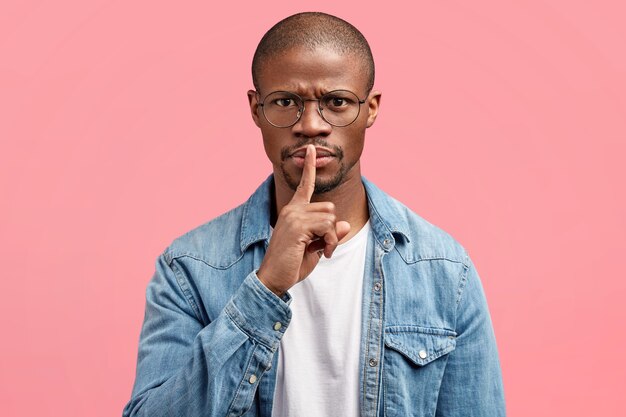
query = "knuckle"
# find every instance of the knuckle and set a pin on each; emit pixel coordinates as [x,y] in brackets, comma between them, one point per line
[289,216]
[292,215]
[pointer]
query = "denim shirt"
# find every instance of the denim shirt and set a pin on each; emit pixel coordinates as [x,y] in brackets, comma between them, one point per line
[211,331]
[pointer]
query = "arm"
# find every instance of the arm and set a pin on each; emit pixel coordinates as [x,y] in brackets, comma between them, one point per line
[187,369]
[472,382]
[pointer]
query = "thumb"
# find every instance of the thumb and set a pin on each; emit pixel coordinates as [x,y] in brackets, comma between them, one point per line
[342,228]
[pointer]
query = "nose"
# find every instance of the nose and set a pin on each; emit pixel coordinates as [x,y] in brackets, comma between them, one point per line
[311,123]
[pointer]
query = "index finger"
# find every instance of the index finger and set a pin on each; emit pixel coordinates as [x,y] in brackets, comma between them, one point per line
[307,181]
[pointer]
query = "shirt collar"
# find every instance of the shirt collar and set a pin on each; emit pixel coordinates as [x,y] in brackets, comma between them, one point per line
[387,218]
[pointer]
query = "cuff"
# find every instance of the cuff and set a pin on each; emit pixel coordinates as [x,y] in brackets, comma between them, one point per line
[259,312]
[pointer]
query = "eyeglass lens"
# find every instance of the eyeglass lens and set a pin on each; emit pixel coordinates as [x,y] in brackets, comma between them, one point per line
[339,108]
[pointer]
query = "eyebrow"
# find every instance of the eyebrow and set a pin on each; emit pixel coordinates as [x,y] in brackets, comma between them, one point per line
[322,92]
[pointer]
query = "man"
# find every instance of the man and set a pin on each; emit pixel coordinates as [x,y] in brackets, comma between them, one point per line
[320,295]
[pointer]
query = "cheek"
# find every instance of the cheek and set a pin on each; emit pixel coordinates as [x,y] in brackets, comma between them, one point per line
[354,142]
[273,144]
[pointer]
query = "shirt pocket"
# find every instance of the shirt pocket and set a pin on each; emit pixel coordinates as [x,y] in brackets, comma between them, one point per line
[414,362]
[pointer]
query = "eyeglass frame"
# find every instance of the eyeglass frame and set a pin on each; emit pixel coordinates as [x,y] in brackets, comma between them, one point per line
[302,109]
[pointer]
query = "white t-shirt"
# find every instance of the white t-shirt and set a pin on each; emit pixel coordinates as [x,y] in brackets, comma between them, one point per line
[318,362]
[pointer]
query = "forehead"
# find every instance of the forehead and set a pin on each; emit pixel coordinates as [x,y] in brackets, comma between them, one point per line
[313,72]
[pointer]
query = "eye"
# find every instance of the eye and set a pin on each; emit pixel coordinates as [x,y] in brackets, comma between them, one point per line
[338,102]
[284,102]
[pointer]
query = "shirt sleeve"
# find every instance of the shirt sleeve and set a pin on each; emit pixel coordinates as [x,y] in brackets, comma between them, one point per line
[185,368]
[472,381]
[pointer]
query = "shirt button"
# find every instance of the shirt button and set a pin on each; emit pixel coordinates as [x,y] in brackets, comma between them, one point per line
[277,325]
[252,379]
[377,286]
[422,354]
[386,242]
[268,367]
[373,362]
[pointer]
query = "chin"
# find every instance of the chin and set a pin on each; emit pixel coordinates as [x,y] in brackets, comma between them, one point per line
[322,184]
[322,187]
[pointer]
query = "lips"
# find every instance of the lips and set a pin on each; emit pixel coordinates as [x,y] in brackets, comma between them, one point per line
[319,153]
[323,157]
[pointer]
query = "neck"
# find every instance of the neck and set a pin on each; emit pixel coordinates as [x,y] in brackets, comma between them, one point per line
[349,199]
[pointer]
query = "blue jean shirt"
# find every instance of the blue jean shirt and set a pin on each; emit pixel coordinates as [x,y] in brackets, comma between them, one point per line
[211,331]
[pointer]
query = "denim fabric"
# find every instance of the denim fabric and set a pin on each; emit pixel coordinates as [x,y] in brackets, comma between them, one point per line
[210,334]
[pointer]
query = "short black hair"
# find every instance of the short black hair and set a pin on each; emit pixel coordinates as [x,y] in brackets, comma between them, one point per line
[313,30]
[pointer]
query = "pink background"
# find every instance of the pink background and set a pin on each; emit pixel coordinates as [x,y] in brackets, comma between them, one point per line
[125,124]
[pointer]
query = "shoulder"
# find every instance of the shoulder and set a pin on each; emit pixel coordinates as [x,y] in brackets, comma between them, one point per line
[416,238]
[430,241]
[222,241]
[216,242]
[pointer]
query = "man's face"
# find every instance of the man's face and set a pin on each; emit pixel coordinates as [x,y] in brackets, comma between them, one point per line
[310,74]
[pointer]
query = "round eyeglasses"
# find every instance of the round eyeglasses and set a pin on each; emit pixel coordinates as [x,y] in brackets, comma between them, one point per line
[339,108]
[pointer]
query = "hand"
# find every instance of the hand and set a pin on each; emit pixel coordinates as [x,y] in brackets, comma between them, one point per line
[303,231]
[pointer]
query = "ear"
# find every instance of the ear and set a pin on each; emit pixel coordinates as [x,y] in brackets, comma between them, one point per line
[253,100]
[373,100]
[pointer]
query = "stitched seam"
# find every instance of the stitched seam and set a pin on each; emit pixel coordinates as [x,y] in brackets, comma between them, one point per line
[462,283]
[236,320]
[438,258]
[380,218]
[252,360]
[367,353]
[244,222]
[240,386]
[410,328]
[176,255]
[397,207]
[394,230]
[403,349]
[380,341]
[182,284]
[426,258]
[384,384]
[259,371]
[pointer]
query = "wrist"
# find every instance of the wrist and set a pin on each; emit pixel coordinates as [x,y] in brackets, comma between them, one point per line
[262,277]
